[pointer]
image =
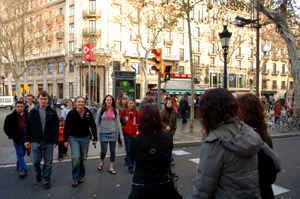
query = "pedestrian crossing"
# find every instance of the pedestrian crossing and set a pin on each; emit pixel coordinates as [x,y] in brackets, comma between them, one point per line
[276,189]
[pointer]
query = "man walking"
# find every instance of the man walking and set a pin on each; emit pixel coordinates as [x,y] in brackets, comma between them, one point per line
[54,100]
[14,126]
[184,107]
[29,103]
[42,131]
[147,100]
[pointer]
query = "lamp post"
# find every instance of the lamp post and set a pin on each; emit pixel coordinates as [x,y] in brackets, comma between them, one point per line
[3,79]
[225,37]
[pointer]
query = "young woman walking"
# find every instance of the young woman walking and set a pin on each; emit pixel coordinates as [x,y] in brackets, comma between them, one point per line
[108,125]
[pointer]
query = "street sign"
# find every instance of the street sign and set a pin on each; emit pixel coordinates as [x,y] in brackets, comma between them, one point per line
[88,52]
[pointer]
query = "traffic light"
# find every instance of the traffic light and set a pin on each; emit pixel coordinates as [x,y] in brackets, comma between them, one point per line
[167,73]
[157,60]
[28,89]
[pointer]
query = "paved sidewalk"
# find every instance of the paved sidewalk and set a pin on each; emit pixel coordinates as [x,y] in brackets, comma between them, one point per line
[182,138]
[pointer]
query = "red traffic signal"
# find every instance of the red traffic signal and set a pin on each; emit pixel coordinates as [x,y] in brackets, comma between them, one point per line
[157,60]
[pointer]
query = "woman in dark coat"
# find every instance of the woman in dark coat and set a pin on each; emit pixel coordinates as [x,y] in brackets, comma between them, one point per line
[252,113]
[168,116]
[151,150]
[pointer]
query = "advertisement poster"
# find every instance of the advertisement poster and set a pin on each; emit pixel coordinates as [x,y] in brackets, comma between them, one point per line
[125,88]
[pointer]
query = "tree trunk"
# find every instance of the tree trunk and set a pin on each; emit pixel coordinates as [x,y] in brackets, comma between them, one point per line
[18,86]
[192,71]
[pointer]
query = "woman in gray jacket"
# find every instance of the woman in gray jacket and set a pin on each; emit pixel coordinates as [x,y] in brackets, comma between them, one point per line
[228,160]
[108,124]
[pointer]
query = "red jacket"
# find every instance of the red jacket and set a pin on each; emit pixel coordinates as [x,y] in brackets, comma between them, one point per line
[277,108]
[131,124]
[60,133]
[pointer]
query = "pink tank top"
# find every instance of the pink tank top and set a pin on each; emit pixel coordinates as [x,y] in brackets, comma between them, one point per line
[109,116]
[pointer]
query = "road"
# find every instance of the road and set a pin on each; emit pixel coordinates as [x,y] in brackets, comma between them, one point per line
[106,186]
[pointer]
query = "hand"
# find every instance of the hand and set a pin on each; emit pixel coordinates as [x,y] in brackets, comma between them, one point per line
[187,111]
[54,145]
[66,144]
[27,145]
[168,128]
[95,142]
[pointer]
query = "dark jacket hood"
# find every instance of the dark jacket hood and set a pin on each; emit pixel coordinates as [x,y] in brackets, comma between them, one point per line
[152,99]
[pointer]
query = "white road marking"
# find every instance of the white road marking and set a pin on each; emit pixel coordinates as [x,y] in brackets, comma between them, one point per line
[279,190]
[195,160]
[180,152]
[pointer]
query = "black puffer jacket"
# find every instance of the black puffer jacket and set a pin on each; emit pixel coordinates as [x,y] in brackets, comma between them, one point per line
[11,127]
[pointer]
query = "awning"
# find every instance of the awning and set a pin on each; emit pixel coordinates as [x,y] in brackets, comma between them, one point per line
[281,95]
[179,87]
[177,92]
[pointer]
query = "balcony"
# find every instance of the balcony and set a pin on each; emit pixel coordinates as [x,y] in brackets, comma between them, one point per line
[59,35]
[199,66]
[43,55]
[213,66]
[171,57]
[196,36]
[283,87]
[266,72]
[212,53]
[232,67]
[240,56]
[91,13]
[251,57]
[275,58]
[284,73]
[275,73]
[48,37]
[168,42]
[274,87]
[197,51]
[242,69]
[91,32]
[252,70]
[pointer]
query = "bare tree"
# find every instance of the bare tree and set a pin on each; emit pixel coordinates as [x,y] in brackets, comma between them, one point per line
[23,27]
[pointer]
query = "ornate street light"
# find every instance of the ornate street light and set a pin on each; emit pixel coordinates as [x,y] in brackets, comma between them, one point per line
[225,37]
[3,79]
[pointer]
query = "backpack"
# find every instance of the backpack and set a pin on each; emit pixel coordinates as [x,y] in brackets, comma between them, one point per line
[102,111]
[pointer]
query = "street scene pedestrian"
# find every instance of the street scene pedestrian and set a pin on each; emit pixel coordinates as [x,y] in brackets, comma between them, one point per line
[151,149]
[277,108]
[54,100]
[108,125]
[41,131]
[29,103]
[14,127]
[129,118]
[80,125]
[168,116]
[121,106]
[69,106]
[149,99]
[228,166]
[252,113]
[62,150]
[184,108]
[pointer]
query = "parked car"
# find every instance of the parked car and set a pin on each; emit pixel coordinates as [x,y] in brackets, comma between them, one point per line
[62,104]
[7,102]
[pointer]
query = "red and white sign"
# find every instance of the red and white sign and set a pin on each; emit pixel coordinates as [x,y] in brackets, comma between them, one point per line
[88,52]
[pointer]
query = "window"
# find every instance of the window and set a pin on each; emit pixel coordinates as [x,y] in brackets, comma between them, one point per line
[213,79]
[71,28]
[239,63]
[181,54]
[181,70]
[282,84]
[61,46]
[60,67]
[240,51]
[138,91]
[274,85]
[92,26]
[92,4]
[197,60]
[265,84]
[71,46]
[40,70]
[168,51]
[291,85]
[93,41]
[30,68]
[61,11]
[251,66]
[274,68]
[117,46]
[50,68]
[242,81]
[198,31]
[71,90]
[198,46]
[212,60]
[117,65]
[212,48]
[61,29]
[265,68]
[71,69]
[251,53]
[251,41]
[283,69]
[72,10]
[199,15]
[232,80]
[60,90]
[181,39]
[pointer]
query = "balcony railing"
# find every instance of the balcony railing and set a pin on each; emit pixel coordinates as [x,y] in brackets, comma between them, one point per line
[251,57]
[168,41]
[284,73]
[173,57]
[242,69]
[212,53]
[91,32]
[240,56]
[282,86]
[274,73]
[56,53]
[196,36]
[232,67]
[59,35]
[197,50]
[215,66]
[274,87]
[92,13]
[266,72]
[252,70]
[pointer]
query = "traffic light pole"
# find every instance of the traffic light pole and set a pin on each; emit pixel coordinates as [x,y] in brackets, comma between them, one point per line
[89,84]
[158,91]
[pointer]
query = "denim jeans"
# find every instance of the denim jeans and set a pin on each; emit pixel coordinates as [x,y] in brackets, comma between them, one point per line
[127,142]
[36,158]
[20,151]
[79,150]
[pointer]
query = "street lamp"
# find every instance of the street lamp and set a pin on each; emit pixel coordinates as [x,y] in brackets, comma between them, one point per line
[3,79]
[225,37]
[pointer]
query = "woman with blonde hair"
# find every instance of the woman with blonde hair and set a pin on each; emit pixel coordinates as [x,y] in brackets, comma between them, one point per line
[108,125]
[69,106]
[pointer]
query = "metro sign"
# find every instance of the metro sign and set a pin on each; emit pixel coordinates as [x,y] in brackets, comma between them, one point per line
[88,52]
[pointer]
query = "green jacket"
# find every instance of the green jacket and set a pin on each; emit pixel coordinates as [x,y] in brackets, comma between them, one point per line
[169,120]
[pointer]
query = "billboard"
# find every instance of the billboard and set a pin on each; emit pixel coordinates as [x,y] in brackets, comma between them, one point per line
[88,52]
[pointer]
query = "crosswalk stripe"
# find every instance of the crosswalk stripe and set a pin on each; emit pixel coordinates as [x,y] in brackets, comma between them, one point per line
[195,160]
[279,190]
[180,152]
